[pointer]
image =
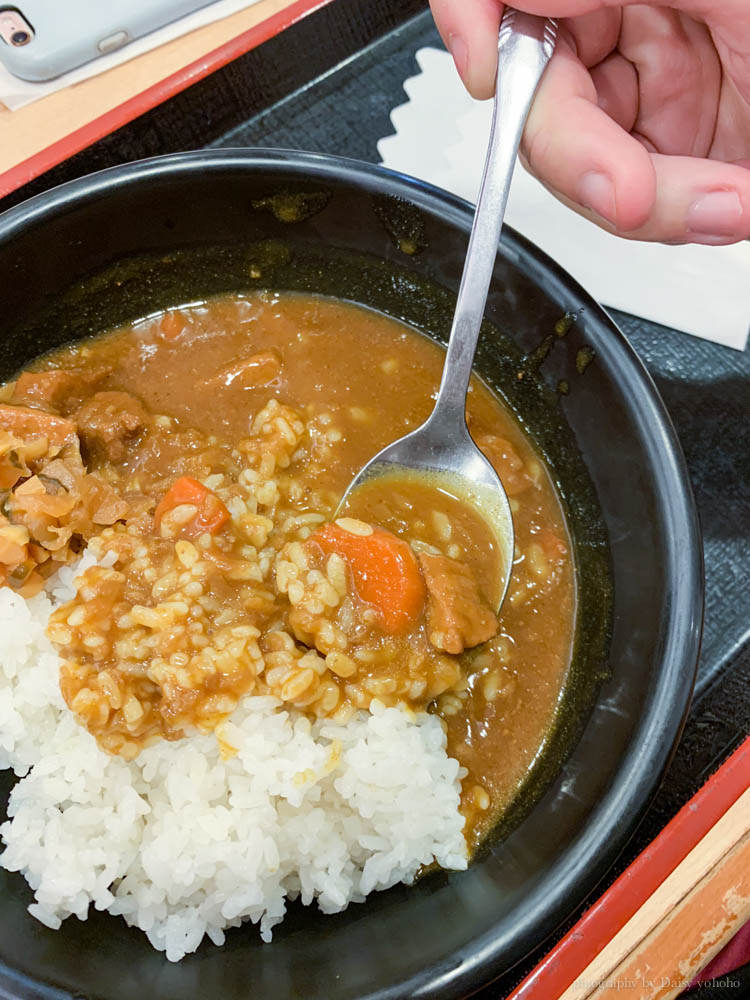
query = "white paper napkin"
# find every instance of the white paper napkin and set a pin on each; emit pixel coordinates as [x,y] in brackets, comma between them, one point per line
[441,136]
[15,93]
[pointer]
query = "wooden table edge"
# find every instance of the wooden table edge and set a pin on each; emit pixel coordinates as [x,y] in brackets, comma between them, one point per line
[608,915]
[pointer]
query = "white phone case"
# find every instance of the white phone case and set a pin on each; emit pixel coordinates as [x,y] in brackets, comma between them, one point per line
[69,33]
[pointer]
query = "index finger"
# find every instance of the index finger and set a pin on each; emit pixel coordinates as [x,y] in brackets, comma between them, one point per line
[469,32]
[469,27]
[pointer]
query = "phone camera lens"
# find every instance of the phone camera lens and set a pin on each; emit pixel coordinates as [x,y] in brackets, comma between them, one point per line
[20,38]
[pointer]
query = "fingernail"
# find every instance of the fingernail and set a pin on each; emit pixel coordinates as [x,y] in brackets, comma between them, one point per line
[716,213]
[597,193]
[458,49]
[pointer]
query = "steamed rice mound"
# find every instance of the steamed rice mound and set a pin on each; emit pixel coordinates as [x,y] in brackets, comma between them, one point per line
[202,834]
[236,697]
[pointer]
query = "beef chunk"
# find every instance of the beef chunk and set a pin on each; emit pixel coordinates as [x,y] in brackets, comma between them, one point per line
[457,615]
[62,390]
[109,423]
[263,368]
[506,463]
[27,423]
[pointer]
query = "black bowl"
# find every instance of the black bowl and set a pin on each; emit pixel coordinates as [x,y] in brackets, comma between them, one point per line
[118,244]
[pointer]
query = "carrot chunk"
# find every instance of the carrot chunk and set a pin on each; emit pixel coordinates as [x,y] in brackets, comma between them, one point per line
[172,324]
[212,514]
[384,570]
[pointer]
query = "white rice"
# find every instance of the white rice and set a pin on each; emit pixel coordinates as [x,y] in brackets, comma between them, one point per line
[183,843]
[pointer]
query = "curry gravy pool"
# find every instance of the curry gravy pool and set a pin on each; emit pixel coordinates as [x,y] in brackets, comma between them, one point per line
[348,381]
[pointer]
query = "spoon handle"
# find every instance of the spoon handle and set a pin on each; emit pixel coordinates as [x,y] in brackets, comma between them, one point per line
[524,47]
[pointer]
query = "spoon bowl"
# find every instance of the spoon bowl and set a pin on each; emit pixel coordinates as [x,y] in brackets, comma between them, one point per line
[444,456]
[442,449]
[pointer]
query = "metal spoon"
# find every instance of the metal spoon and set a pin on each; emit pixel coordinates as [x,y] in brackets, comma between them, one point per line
[442,447]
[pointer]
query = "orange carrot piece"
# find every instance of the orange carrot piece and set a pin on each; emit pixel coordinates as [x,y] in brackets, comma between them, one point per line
[172,324]
[212,514]
[384,569]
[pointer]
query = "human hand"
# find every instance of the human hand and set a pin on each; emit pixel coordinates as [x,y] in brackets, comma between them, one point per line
[642,119]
